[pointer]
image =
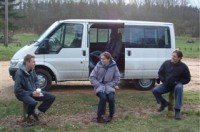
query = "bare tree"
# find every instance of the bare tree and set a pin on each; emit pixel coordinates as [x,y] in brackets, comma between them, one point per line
[40,14]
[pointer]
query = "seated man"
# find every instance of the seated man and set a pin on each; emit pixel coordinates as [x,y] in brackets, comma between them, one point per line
[25,89]
[173,74]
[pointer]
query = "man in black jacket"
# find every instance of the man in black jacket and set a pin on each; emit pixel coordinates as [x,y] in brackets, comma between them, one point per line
[26,83]
[173,74]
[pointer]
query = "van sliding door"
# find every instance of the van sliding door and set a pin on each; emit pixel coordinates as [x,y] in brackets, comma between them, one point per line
[146,48]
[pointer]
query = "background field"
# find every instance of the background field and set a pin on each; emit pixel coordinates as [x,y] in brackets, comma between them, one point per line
[190,50]
[189,46]
[6,53]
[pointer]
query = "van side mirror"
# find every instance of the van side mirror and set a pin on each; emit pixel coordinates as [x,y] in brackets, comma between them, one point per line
[43,47]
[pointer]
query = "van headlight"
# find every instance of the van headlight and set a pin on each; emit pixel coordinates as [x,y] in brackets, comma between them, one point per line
[13,63]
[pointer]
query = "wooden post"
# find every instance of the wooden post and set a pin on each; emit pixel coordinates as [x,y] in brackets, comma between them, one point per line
[171,101]
[6,24]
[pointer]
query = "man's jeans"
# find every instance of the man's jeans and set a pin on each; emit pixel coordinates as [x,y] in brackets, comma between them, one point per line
[103,97]
[178,91]
[31,102]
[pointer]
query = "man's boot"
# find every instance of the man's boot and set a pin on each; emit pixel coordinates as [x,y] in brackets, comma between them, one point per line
[177,114]
[100,120]
[162,106]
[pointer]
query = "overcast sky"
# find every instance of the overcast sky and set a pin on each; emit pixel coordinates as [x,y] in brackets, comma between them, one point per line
[195,3]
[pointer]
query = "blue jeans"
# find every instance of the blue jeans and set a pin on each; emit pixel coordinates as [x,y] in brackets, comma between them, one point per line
[31,102]
[178,91]
[103,97]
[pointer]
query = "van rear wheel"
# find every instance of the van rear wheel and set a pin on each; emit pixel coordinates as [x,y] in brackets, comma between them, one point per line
[144,84]
[44,79]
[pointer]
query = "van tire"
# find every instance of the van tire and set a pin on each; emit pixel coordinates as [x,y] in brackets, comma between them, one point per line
[144,84]
[44,78]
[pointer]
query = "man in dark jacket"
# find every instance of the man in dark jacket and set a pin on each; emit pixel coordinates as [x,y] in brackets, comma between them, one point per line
[173,74]
[26,83]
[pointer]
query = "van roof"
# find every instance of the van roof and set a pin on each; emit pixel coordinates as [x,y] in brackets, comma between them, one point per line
[116,21]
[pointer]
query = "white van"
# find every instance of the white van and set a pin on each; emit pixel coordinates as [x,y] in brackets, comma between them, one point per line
[69,50]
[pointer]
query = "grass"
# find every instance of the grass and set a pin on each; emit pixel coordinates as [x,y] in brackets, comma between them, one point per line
[135,112]
[190,50]
[24,39]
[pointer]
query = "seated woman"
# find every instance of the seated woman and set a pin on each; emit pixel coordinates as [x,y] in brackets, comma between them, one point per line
[104,77]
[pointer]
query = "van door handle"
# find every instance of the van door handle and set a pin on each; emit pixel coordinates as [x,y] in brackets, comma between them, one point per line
[84,53]
[129,53]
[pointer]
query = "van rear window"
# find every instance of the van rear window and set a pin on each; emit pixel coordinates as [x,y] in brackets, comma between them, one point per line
[147,37]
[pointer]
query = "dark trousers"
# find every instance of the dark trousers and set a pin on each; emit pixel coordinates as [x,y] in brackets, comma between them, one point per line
[103,97]
[31,102]
[178,91]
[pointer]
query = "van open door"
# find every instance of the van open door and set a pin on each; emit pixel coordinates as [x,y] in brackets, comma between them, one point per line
[100,37]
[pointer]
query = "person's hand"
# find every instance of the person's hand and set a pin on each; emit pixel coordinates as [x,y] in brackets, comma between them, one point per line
[36,94]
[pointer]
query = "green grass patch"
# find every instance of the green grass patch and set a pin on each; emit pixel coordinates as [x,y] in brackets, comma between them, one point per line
[192,97]
[190,50]
[26,38]
[23,38]
[135,112]
[75,104]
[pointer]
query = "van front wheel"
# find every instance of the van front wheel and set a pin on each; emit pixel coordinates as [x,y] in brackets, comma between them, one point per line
[144,84]
[44,79]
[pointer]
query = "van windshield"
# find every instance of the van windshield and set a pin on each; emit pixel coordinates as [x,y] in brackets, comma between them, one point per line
[44,35]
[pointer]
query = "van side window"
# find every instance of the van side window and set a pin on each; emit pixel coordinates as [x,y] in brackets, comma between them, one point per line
[93,35]
[98,35]
[73,35]
[167,38]
[135,37]
[147,37]
[67,35]
[150,37]
[55,40]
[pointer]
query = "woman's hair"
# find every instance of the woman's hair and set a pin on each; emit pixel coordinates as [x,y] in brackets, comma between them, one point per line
[179,53]
[28,58]
[107,55]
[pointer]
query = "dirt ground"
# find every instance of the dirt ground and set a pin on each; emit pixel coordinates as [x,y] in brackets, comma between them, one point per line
[6,92]
[6,82]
